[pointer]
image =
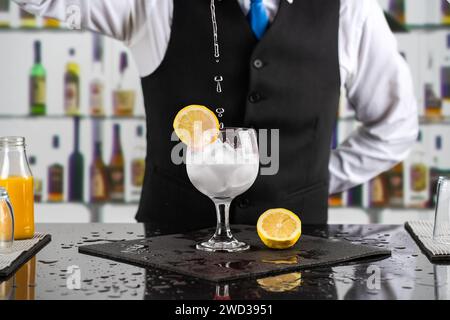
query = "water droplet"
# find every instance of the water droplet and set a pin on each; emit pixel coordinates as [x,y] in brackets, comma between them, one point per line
[48,261]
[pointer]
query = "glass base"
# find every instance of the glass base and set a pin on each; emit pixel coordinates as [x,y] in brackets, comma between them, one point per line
[223,246]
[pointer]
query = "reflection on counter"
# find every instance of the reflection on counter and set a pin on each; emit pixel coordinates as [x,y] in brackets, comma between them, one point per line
[281,283]
[22,285]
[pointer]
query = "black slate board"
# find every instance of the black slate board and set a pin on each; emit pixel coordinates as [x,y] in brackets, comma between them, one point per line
[177,253]
[25,257]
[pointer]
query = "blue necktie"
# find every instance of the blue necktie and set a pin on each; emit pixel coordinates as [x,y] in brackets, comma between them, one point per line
[258,18]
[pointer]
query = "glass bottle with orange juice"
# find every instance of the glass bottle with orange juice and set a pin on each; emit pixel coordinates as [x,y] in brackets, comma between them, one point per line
[17,179]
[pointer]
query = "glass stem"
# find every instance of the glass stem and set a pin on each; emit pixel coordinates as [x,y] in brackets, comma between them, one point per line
[223,232]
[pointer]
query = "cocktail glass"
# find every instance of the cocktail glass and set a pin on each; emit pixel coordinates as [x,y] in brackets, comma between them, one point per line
[222,171]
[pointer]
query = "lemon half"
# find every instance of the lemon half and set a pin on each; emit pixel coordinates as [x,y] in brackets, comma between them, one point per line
[279,228]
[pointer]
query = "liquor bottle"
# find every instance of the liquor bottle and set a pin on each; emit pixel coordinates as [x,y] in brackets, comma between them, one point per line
[98,171]
[445,9]
[445,76]
[38,86]
[72,86]
[117,169]
[355,197]
[27,19]
[419,174]
[138,165]
[96,99]
[433,105]
[335,200]
[37,182]
[397,10]
[55,178]
[378,192]
[395,186]
[76,167]
[5,13]
[123,100]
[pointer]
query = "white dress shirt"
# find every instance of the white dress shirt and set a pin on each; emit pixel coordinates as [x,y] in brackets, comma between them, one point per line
[376,78]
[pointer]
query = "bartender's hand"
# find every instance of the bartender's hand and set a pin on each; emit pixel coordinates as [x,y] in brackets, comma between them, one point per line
[380,89]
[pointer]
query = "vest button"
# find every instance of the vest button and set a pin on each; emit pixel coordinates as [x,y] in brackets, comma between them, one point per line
[255,97]
[244,204]
[258,64]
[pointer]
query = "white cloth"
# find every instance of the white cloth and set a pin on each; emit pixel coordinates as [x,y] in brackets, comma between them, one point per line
[376,78]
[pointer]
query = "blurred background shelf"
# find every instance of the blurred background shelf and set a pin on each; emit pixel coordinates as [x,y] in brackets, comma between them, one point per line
[77,212]
[427,27]
[426,121]
[67,117]
[39,30]
[419,29]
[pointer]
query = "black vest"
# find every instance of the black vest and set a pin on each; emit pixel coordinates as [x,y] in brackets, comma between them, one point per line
[289,81]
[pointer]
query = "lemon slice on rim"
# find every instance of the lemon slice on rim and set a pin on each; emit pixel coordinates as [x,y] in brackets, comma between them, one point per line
[196,126]
[279,228]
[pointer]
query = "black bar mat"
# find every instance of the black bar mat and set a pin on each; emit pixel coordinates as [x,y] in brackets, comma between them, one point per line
[25,256]
[177,253]
[422,233]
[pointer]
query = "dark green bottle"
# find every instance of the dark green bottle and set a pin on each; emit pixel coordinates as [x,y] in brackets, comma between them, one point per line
[38,86]
[76,167]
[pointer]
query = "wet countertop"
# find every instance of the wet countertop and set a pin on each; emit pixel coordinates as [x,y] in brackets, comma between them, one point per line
[60,272]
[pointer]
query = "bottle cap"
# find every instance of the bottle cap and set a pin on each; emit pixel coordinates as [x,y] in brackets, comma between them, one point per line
[123,62]
[55,142]
[12,141]
[32,160]
[98,47]
[140,131]
[37,51]
[439,143]
[116,129]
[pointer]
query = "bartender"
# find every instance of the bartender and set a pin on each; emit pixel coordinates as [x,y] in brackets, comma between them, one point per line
[280,64]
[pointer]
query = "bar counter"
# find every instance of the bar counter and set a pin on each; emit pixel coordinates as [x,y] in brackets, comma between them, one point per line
[53,273]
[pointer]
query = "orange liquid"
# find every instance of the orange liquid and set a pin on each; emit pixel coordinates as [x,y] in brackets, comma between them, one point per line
[20,190]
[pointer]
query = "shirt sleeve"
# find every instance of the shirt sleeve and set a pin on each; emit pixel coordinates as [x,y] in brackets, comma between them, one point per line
[380,90]
[120,19]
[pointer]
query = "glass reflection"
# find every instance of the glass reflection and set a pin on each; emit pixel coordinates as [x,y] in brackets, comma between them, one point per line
[22,285]
[441,282]
[25,281]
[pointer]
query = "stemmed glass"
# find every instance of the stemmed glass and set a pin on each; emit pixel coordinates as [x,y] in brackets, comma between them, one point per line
[441,230]
[222,171]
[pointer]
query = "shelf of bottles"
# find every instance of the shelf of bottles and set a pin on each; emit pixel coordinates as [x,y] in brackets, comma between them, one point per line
[73,175]
[411,184]
[107,183]
[426,47]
